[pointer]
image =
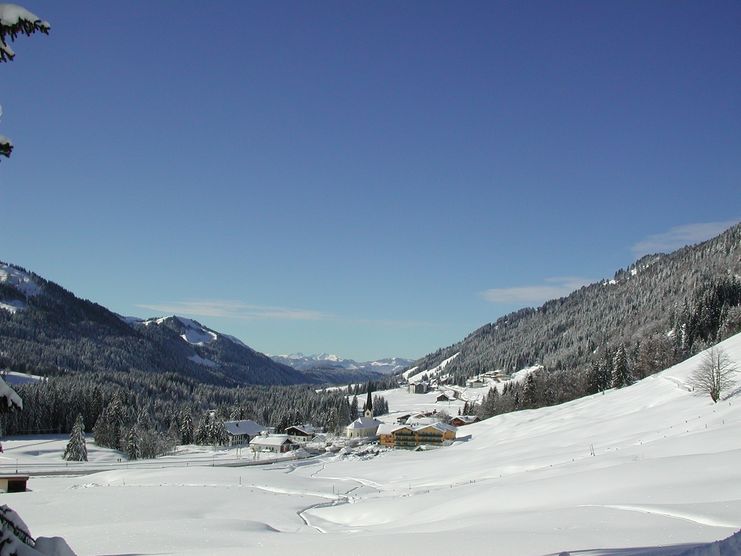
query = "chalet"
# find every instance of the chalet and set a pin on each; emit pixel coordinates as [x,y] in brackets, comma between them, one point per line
[394,436]
[278,444]
[242,432]
[475,382]
[13,483]
[412,436]
[366,426]
[461,420]
[444,397]
[301,433]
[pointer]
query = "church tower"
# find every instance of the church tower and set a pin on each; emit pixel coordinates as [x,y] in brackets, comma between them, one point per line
[368,407]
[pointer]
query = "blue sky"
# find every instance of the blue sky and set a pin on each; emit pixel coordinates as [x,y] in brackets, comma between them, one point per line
[364,178]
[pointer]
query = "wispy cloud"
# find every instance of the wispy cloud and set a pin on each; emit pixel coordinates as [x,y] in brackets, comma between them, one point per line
[220,308]
[234,310]
[679,236]
[552,288]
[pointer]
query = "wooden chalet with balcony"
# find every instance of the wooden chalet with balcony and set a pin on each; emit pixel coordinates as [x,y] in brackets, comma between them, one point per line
[412,436]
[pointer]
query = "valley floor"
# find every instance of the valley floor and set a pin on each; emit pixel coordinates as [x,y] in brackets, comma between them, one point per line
[649,469]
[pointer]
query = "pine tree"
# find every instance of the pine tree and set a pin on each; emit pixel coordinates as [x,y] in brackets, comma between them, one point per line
[593,376]
[620,373]
[76,449]
[354,408]
[132,444]
[107,430]
[529,394]
[218,433]
[186,427]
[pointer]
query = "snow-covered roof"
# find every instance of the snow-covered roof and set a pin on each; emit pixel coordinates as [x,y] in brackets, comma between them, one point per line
[245,426]
[9,400]
[305,428]
[388,428]
[442,427]
[273,440]
[364,423]
[468,419]
[422,421]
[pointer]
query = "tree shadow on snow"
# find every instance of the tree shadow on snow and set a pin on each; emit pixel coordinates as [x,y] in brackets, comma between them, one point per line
[673,550]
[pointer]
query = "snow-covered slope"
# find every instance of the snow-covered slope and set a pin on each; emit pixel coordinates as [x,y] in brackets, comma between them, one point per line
[651,469]
[191,331]
[415,374]
[19,279]
[22,282]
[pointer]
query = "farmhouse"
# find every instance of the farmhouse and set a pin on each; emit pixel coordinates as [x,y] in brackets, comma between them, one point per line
[278,443]
[241,432]
[301,433]
[411,436]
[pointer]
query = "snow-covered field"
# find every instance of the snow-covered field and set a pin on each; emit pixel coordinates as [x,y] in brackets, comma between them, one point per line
[649,469]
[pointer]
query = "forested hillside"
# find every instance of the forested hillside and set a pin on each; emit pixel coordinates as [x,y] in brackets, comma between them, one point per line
[45,329]
[161,410]
[658,310]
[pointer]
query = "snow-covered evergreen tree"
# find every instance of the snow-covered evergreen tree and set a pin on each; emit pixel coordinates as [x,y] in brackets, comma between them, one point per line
[133,450]
[186,427]
[620,374]
[76,449]
[107,430]
[15,20]
[354,408]
[530,391]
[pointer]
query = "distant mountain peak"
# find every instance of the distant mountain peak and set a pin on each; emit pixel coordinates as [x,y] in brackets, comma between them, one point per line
[327,362]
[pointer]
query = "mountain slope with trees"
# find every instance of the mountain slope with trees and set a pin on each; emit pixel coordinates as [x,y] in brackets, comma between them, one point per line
[657,311]
[46,329]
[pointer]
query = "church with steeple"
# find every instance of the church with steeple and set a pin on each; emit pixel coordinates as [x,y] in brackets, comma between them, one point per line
[365,426]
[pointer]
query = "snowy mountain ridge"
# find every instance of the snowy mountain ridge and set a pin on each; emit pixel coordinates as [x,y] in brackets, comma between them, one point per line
[325,361]
[44,326]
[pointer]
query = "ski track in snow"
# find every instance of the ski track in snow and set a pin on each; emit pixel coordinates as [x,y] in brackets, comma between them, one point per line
[685,516]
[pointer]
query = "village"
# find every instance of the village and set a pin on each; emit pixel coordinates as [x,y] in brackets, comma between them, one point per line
[427,413]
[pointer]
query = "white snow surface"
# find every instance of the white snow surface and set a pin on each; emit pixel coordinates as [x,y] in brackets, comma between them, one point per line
[8,398]
[12,306]
[651,469]
[20,280]
[415,375]
[13,377]
[194,333]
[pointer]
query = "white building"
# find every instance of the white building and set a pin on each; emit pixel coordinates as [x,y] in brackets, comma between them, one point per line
[366,426]
[277,443]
